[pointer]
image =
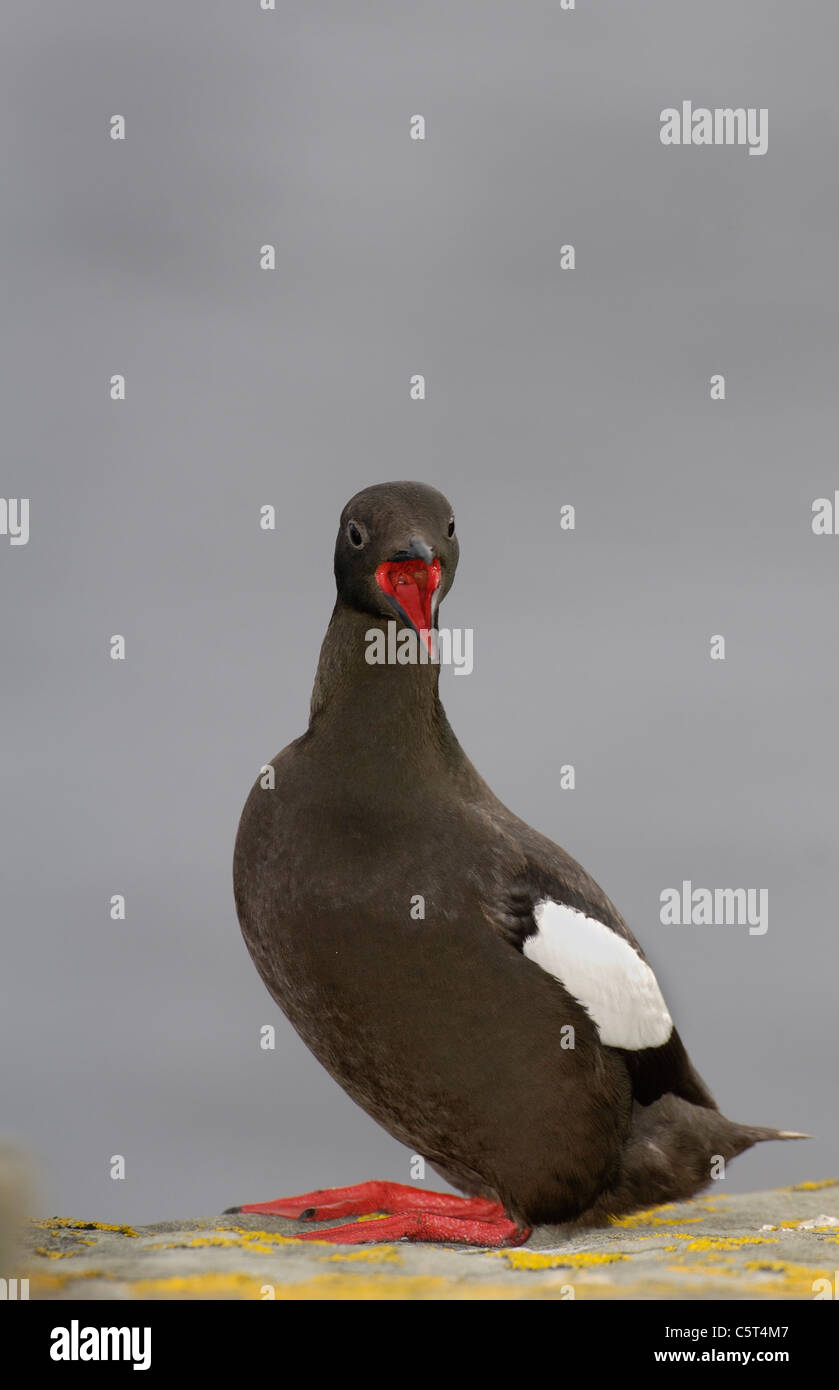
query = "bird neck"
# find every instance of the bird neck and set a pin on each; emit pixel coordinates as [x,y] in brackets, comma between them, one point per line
[384,711]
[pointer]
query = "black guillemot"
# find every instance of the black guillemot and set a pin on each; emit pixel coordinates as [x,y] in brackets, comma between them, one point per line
[516,1036]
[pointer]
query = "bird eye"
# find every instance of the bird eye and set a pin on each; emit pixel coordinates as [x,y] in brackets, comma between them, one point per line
[355,534]
[450,528]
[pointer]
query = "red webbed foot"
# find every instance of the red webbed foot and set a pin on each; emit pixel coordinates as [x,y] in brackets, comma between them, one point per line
[410,1214]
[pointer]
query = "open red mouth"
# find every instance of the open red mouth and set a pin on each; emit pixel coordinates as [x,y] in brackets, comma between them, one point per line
[411,584]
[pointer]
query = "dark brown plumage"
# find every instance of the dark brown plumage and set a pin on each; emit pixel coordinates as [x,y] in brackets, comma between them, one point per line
[442,1029]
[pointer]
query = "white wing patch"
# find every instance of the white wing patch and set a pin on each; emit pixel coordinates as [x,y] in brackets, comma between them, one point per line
[604,973]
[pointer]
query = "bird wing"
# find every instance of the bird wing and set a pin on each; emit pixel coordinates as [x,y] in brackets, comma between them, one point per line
[563,922]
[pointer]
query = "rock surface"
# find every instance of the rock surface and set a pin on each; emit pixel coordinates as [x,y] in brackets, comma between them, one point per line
[764,1245]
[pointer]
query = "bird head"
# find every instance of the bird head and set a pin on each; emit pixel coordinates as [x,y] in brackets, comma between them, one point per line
[396,553]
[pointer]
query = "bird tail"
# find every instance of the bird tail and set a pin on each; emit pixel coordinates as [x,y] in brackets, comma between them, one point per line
[757,1133]
[674,1150]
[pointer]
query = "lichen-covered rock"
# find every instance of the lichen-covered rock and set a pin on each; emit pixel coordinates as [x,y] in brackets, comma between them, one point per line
[768,1245]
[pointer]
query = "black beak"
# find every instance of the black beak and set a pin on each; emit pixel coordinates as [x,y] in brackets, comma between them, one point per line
[417,550]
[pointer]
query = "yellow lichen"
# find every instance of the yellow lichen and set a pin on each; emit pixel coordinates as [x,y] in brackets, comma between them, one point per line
[67,1223]
[376,1254]
[198,1286]
[264,1237]
[649,1218]
[537,1259]
[727,1242]
[795,1281]
[324,1287]
[202,1242]
[40,1284]
[719,1268]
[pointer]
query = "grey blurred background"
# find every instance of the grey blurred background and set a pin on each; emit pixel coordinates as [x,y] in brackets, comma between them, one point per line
[544,387]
